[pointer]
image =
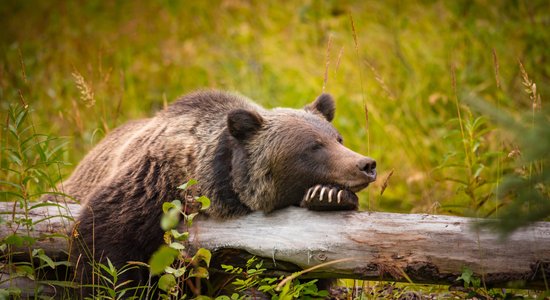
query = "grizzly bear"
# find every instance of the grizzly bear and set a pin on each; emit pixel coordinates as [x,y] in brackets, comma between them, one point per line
[244,157]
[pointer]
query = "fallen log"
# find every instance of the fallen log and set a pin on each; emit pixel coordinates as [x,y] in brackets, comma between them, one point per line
[368,245]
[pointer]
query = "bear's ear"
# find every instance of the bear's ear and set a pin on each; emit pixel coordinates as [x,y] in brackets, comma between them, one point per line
[242,124]
[324,105]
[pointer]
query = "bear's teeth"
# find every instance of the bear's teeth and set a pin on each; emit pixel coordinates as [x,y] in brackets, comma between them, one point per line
[315,191]
[330,195]
[322,193]
[339,196]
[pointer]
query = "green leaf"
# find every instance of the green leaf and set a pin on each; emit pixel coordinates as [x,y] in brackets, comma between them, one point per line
[14,240]
[188,184]
[170,220]
[177,246]
[204,255]
[179,236]
[323,293]
[478,171]
[204,201]
[2,182]
[227,268]
[167,282]
[166,206]
[466,276]
[25,270]
[161,259]
[179,272]
[190,218]
[476,282]
[47,260]
[199,272]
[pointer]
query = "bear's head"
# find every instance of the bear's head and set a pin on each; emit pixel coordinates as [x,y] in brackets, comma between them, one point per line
[285,157]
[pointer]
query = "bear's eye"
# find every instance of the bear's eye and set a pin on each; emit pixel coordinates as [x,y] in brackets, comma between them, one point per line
[340,140]
[316,146]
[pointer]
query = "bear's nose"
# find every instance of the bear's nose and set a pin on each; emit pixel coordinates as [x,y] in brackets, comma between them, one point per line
[368,165]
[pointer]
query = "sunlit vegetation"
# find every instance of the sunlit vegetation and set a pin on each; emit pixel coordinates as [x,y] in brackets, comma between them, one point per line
[448,96]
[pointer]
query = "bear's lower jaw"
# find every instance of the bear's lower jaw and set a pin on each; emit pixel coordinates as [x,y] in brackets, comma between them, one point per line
[329,197]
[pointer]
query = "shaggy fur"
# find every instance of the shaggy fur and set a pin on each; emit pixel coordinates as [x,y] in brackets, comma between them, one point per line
[245,158]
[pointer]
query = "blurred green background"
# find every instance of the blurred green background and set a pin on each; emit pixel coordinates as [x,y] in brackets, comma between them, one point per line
[85,67]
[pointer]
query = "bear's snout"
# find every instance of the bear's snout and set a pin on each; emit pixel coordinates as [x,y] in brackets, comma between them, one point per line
[367,165]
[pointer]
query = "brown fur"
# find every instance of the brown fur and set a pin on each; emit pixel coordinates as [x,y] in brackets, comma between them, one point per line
[245,158]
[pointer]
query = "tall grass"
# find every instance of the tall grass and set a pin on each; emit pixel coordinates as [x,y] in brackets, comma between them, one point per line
[91,67]
[30,165]
[84,68]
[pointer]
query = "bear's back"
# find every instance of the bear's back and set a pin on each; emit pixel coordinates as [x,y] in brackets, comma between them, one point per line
[208,103]
[177,131]
[101,163]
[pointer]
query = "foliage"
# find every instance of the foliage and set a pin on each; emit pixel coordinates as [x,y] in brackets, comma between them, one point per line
[253,279]
[527,189]
[110,286]
[87,67]
[466,166]
[29,166]
[171,261]
[468,278]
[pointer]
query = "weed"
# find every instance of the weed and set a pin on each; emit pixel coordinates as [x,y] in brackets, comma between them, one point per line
[109,285]
[180,273]
[467,167]
[30,166]
[273,56]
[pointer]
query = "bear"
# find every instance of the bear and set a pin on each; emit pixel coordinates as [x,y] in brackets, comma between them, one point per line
[244,157]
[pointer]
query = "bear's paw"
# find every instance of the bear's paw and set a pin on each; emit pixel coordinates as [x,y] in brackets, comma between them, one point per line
[329,197]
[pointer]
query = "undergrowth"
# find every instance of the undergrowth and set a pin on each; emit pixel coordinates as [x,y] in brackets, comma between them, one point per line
[447,96]
[30,169]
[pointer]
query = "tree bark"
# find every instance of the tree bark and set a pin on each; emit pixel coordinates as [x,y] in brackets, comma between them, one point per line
[368,245]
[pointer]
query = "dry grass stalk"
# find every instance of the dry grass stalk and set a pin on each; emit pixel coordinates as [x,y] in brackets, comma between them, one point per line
[327,62]
[354,32]
[453,83]
[367,125]
[338,59]
[77,117]
[366,116]
[164,101]
[22,65]
[531,88]
[453,78]
[86,91]
[22,99]
[386,181]
[460,121]
[380,80]
[497,68]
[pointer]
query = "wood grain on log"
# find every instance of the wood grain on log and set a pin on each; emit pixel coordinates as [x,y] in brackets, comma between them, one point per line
[377,246]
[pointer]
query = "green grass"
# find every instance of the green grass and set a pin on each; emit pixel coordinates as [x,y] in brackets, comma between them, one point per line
[85,67]
[135,57]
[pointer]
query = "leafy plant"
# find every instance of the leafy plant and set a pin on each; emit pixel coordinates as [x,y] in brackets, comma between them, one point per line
[469,165]
[526,189]
[174,265]
[469,278]
[109,285]
[30,166]
[252,279]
